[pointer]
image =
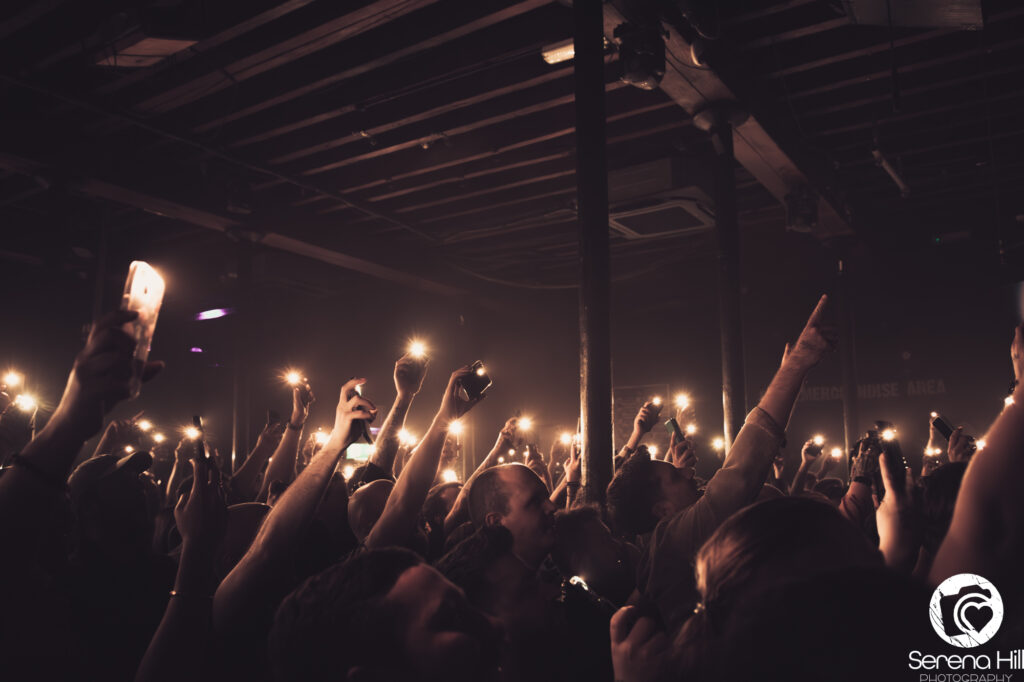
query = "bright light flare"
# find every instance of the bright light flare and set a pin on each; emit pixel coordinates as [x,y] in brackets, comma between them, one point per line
[1008,400]
[889,434]
[981,444]
[818,440]
[321,437]
[347,471]
[525,423]
[456,428]
[565,438]
[691,429]
[406,438]
[449,476]
[191,432]
[718,444]
[934,415]
[511,452]
[12,379]
[144,425]
[293,377]
[682,401]
[25,402]
[656,401]
[159,438]
[501,460]
[129,449]
[417,349]
[480,371]
[837,453]
[653,449]
[213,314]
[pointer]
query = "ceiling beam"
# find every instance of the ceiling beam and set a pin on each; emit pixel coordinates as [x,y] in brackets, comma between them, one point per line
[694,89]
[351,24]
[126,196]
[390,58]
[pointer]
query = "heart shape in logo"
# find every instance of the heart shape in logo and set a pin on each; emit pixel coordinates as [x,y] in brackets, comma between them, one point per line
[977,615]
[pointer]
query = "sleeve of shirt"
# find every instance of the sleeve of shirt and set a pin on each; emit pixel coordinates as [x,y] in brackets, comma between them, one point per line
[746,467]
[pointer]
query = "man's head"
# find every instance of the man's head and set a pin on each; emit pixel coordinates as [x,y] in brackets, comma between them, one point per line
[498,582]
[644,491]
[385,616]
[113,519]
[513,496]
[366,505]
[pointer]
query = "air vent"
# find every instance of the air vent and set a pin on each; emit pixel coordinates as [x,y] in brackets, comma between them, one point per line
[661,198]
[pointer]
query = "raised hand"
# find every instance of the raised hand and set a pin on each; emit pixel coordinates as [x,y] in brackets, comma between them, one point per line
[452,405]
[896,517]
[810,453]
[202,514]
[640,652]
[683,455]
[646,418]
[865,462]
[409,374]
[535,461]
[102,374]
[302,398]
[352,406]
[573,465]
[814,341]
[961,446]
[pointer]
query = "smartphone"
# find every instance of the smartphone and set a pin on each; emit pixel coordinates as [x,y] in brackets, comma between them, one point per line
[200,442]
[672,426]
[474,385]
[143,293]
[943,427]
[361,428]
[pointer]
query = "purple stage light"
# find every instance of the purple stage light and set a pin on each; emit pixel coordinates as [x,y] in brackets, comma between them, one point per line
[195,349]
[213,314]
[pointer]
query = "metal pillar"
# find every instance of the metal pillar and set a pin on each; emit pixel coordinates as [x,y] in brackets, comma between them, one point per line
[595,259]
[719,120]
[851,417]
[241,382]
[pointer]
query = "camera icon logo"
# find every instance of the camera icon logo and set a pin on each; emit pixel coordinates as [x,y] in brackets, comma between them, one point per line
[966,610]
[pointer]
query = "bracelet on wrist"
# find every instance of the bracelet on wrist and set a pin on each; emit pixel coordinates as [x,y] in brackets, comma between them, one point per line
[296,427]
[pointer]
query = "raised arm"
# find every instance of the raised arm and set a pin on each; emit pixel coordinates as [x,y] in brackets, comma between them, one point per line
[33,488]
[398,520]
[750,458]
[459,513]
[644,421]
[808,456]
[986,536]
[249,581]
[244,483]
[409,374]
[178,649]
[282,462]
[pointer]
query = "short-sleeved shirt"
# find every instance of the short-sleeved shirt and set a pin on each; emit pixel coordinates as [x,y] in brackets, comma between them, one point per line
[665,573]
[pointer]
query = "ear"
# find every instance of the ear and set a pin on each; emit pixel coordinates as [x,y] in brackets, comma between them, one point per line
[492,519]
[662,509]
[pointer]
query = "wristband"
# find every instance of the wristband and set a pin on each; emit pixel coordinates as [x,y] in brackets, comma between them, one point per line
[573,484]
[296,427]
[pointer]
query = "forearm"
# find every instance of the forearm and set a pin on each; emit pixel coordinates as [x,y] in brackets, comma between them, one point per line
[803,475]
[30,492]
[387,442]
[179,471]
[784,389]
[177,650]
[559,489]
[282,462]
[398,520]
[857,504]
[986,528]
[243,483]
[280,531]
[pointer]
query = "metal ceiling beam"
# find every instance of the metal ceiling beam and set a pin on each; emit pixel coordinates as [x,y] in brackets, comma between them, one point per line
[384,60]
[695,89]
[351,24]
[126,196]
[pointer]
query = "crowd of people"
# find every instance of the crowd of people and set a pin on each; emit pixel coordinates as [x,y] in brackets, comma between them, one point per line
[292,566]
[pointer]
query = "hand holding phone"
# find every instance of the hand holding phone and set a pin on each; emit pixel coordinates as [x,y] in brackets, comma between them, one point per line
[144,294]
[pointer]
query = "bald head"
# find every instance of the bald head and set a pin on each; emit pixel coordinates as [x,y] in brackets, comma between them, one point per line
[366,505]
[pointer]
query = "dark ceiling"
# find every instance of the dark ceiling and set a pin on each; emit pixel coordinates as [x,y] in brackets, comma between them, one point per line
[430,138]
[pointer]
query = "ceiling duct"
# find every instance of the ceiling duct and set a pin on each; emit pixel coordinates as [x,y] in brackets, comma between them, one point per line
[962,14]
[662,198]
